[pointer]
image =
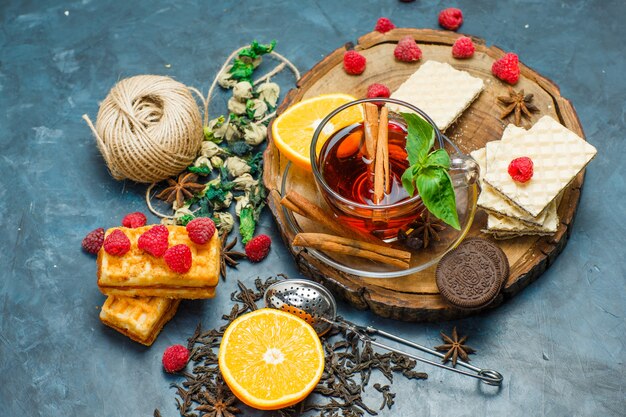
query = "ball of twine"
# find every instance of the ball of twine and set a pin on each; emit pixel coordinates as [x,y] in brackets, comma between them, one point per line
[148,128]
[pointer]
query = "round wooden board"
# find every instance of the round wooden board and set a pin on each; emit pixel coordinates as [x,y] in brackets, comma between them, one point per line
[416,298]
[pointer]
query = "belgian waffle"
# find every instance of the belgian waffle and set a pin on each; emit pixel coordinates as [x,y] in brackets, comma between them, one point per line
[140,318]
[137,273]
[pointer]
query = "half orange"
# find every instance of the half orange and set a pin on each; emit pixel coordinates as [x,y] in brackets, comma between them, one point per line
[292,131]
[270,359]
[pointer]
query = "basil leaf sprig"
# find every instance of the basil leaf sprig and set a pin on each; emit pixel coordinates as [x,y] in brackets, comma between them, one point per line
[428,171]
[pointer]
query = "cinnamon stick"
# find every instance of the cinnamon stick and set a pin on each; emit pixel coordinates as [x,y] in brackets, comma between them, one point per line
[344,246]
[370,126]
[297,203]
[382,183]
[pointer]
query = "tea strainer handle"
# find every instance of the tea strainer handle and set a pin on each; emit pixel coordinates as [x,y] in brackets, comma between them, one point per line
[488,376]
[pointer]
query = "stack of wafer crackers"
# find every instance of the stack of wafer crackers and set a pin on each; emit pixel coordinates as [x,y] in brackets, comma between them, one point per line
[529,208]
[143,293]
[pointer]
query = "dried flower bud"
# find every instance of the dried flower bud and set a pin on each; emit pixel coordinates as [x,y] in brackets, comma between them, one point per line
[254,134]
[227,131]
[209,131]
[225,79]
[210,149]
[220,205]
[242,91]
[224,221]
[217,162]
[203,161]
[245,182]
[242,202]
[183,211]
[258,108]
[269,92]
[236,166]
[235,106]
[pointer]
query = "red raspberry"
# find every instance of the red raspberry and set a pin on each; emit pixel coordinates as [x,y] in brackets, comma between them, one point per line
[521,169]
[154,240]
[175,358]
[378,90]
[133,220]
[463,48]
[384,25]
[507,68]
[116,243]
[354,63]
[258,247]
[160,229]
[201,230]
[93,241]
[407,50]
[178,258]
[451,18]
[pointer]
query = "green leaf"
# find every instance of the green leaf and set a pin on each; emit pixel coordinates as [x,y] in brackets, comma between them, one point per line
[185,219]
[435,187]
[215,193]
[420,137]
[241,71]
[202,170]
[243,65]
[438,158]
[247,224]
[256,164]
[257,49]
[408,181]
[240,148]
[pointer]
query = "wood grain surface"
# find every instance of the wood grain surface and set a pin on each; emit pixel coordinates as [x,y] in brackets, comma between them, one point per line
[415,297]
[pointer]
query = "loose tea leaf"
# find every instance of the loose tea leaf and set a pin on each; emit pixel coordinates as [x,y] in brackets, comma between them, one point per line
[349,365]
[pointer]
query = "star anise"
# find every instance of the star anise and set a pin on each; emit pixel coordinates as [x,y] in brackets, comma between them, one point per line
[518,104]
[182,189]
[229,256]
[454,347]
[219,405]
[426,227]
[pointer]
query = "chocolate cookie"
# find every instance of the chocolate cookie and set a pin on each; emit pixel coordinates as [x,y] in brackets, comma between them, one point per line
[471,275]
[494,252]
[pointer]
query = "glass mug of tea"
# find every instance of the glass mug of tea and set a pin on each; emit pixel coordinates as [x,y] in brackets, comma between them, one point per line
[343,172]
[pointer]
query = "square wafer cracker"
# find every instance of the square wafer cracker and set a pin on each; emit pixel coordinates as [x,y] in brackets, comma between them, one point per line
[501,224]
[558,155]
[137,273]
[495,203]
[440,90]
[140,318]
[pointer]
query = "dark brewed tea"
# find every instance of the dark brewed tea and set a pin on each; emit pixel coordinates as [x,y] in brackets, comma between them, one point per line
[347,171]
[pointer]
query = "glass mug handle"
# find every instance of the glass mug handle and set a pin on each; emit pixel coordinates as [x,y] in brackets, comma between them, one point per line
[464,170]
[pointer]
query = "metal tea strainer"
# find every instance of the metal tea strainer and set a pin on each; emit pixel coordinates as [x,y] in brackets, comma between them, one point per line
[316,305]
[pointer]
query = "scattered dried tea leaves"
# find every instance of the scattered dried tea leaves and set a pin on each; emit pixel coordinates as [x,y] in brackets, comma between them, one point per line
[349,365]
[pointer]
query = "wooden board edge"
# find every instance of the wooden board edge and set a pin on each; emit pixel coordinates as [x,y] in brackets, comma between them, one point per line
[377,298]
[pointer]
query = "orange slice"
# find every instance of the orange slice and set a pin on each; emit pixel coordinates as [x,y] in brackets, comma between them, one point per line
[292,131]
[270,359]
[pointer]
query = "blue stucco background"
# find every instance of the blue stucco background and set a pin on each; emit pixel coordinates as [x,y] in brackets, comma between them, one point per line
[560,343]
